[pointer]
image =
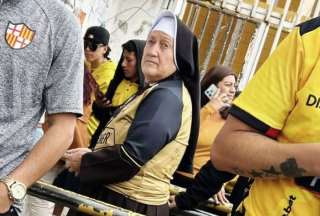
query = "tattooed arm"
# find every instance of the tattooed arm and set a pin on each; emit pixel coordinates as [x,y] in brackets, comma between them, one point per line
[242,150]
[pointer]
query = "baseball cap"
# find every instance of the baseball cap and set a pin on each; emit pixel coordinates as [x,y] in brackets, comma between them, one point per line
[98,35]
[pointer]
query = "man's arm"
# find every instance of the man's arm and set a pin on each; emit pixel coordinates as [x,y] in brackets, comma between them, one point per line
[44,155]
[269,103]
[242,150]
[48,150]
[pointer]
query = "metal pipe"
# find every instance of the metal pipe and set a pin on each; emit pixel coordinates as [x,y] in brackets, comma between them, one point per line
[224,3]
[178,212]
[317,9]
[225,40]
[254,56]
[76,201]
[279,30]
[263,39]
[250,57]
[299,12]
[218,2]
[269,11]
[254,9]
[238,7]
[212,43]
[228,60]
[195,18]
[190,14]
[204,27]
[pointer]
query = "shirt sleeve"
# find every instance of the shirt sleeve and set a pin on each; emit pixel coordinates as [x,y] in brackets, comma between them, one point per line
[271,94]
[206,183]
[64,85]
[156,123]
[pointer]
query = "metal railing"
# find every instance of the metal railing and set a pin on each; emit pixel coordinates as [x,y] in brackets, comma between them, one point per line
[229,41]
[76,201]
[94,207]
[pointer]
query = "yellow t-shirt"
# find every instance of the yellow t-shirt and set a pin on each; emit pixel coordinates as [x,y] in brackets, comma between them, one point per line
[285,95]
[103,76]
[124,91]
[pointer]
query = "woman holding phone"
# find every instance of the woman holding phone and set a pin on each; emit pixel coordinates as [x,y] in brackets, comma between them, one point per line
[217,92]
[212,116]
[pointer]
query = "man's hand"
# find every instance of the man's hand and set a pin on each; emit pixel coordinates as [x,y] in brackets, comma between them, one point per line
[5,202]
[220,197]
[172,202]
[73,158]
[103,103]
[220,100]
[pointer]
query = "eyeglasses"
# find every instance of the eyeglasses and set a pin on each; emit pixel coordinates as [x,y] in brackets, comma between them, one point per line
[92,46]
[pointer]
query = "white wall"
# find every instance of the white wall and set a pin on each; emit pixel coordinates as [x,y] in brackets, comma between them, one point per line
[124,19]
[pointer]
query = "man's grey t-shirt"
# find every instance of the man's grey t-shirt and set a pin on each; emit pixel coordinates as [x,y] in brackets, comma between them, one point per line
[41,68]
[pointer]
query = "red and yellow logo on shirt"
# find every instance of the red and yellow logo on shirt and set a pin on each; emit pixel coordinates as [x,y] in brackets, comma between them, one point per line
[19,36]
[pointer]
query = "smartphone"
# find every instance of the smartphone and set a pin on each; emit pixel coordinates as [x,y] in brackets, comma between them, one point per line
[211,91]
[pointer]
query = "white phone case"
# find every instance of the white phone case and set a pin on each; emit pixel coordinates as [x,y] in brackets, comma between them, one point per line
[211,91]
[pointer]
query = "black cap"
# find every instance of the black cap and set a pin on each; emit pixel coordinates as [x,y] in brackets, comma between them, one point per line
[98,35]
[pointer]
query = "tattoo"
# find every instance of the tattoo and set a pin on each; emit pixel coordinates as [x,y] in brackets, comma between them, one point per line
[238,171]
[289,168]
[256,174]
[271,172]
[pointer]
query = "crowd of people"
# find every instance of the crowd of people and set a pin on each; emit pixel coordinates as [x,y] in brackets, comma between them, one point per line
[123,133]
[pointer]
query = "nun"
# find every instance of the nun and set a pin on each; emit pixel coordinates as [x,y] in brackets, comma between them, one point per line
[147,138]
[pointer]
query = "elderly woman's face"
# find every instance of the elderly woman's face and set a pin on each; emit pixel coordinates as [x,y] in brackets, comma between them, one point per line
[157,61]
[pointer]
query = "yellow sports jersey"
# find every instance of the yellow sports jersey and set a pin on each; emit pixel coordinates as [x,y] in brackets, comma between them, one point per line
[123,92]
[283,102]
[103,76]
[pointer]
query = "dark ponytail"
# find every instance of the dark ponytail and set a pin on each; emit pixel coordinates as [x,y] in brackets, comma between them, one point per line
[106,55]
